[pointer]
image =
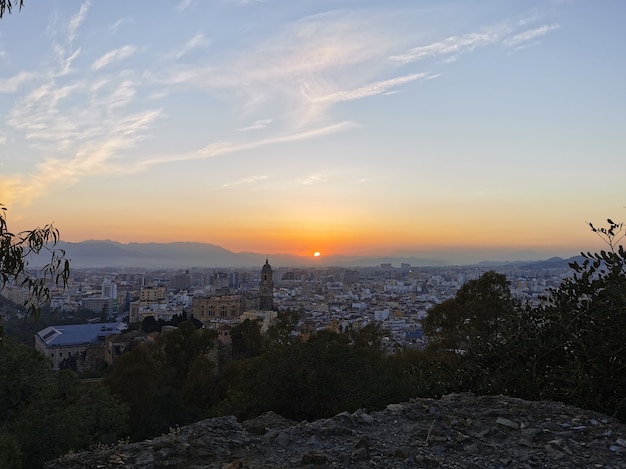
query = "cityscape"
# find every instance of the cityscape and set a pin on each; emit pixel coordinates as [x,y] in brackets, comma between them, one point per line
[312,233]
[338,299]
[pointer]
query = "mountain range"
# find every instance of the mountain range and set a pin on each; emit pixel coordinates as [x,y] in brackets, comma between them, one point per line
[106,253]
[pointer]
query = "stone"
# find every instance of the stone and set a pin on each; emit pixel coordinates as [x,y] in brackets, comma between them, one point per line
[316,458]
[507,423]
[461,431]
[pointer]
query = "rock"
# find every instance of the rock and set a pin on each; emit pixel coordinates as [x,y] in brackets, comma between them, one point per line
[316,458]
[283,439]
[507,423]
[405,452]
[459,431]
[360,453]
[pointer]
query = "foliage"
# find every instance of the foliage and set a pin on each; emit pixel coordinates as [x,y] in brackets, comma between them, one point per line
[150,324]
[247,340]
[475,318]
[281,332]
[177,349]
[570,348]
[311,379]
[168,382]
[44,414]
[15,251]
[198,389]
[23,375]
[6,6]
[582,331]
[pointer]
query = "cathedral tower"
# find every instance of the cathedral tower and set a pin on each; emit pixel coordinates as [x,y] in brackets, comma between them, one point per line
[266,285]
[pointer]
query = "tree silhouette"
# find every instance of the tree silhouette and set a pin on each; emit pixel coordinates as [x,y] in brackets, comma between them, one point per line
[6,6]
[17,250]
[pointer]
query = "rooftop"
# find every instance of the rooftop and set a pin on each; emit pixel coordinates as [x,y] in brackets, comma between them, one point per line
[78,334]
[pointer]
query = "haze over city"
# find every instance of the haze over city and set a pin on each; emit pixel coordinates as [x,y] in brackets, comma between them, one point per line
[484,130]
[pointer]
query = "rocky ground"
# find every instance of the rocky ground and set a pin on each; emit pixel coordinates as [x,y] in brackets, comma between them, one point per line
[457,431]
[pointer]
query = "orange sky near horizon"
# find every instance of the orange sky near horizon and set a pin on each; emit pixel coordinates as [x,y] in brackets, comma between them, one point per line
[304,237]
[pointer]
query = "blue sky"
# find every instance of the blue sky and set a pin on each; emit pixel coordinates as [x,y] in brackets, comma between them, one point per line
[345,127]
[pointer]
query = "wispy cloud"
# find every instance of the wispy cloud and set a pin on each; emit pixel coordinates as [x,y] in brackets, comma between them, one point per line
[529,35]
[370,89]
[256,125]
[196,42]
[248,180]
[312,179]
[116,55]
[77,20]
[87,124]
[94,156]
[245,2]
[221,148]
[12,84]
[115,27]
[311,58]
[79,123]
[453,45]
[184,4]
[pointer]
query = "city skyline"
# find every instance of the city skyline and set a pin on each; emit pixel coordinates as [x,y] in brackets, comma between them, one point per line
[340,128]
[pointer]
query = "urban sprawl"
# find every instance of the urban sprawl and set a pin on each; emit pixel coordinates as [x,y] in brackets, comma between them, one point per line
[334,298]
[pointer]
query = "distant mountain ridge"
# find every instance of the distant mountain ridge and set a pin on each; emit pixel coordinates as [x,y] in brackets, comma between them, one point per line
[112,254]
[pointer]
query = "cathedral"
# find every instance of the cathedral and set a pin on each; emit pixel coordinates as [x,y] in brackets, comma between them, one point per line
[266,286]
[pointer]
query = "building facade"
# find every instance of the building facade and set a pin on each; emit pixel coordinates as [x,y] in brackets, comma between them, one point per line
[225,307]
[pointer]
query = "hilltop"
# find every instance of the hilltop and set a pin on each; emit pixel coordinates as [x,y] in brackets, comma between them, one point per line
[457,431]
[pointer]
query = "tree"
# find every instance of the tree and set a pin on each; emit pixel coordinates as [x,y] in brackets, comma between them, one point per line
[177,349]
[281,331]
[199,389]
[474,320]
[16,252]
[6,6]
[247,340]
[165,382]
[311,379]
[581,330]
[43,413]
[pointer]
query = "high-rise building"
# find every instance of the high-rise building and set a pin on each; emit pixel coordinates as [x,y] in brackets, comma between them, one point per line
[109,289]
[182,281]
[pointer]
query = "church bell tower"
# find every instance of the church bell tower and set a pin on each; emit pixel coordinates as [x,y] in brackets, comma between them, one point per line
[266,285]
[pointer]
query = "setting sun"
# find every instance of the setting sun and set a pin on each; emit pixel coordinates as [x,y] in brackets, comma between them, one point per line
[316,254]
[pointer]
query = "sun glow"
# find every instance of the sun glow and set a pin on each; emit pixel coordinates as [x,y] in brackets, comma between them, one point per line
[316,254]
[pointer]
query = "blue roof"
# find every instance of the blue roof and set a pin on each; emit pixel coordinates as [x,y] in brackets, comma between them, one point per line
[78,334]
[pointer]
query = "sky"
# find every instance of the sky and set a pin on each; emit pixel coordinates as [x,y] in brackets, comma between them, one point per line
[471,130]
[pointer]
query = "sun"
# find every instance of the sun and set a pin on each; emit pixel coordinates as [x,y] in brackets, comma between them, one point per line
[316,254]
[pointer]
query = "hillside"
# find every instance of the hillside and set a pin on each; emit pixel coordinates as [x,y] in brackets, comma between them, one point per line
[457,431]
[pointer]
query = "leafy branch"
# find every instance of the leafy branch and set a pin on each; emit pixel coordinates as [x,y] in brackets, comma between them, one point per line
[6,6]
[611,235]
[15,251]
